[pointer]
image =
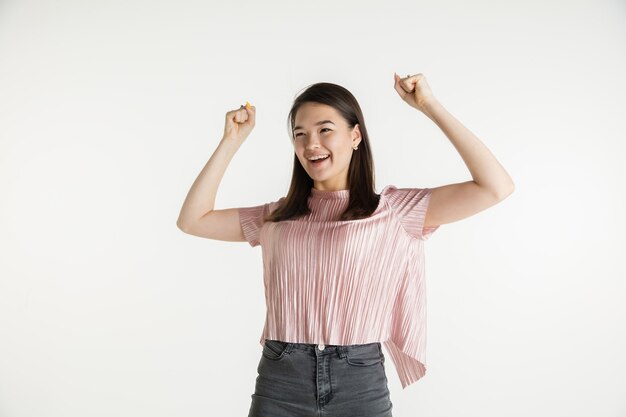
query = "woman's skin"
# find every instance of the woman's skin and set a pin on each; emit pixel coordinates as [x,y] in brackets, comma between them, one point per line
[490,183]
[334,138]
[198,216]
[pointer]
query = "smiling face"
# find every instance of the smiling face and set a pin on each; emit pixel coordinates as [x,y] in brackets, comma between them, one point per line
[320,130]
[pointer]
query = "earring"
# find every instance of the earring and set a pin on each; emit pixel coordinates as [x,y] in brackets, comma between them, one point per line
[356,147]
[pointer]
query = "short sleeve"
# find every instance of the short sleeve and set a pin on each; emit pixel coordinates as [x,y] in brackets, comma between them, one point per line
[251,220]
[410,205]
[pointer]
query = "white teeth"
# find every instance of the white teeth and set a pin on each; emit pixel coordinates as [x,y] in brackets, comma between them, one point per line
[314,158]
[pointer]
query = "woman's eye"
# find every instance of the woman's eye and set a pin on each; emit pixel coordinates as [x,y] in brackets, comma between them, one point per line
[298,134]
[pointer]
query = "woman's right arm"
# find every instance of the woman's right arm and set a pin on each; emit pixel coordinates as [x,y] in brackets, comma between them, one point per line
[197,215]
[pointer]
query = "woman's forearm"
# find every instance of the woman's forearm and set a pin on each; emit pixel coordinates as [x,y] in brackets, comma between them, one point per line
[483,166]
[201,197]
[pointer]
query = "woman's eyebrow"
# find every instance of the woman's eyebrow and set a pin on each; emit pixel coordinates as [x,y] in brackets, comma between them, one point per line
[321,122]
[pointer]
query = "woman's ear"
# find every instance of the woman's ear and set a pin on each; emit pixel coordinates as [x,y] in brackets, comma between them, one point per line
[356,136]
[356,130]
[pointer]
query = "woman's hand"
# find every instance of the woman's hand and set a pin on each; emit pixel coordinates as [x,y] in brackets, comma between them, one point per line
[240,122]
[414,90]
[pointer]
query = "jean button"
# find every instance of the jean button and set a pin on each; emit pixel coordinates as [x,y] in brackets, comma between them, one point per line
[321,347]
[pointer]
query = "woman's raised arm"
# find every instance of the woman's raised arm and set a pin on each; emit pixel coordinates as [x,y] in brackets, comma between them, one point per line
[197,215]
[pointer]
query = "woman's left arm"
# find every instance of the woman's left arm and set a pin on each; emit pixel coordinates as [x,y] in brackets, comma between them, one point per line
[490,182]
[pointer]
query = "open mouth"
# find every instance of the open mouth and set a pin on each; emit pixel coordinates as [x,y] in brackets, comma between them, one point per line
[319,162]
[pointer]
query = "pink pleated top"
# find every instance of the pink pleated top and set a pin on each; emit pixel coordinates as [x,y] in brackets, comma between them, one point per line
[347,282]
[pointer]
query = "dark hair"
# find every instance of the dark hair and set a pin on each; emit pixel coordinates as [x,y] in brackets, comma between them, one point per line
[363,200]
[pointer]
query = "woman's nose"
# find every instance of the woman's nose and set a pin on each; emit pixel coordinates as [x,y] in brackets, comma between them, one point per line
[312,143]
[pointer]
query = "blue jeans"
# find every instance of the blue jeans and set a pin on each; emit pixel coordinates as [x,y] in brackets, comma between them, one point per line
[309,380]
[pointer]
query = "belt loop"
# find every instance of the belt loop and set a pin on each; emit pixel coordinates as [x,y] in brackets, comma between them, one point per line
[342,351]
[289,347]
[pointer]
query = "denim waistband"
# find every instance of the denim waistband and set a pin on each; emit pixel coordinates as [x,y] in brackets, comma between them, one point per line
[340,349]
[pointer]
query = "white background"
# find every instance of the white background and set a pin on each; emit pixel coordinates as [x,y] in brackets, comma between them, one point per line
[109,110]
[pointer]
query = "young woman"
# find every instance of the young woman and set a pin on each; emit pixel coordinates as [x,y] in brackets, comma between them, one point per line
[343,266]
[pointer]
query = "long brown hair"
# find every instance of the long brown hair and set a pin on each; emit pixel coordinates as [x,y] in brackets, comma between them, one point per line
[363,200]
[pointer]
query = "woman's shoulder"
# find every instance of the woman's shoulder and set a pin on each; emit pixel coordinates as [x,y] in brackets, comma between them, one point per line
[274,204]
[402,199]
[388,189]
[394,191]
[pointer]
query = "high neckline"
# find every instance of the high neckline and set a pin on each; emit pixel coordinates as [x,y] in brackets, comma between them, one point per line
[338,194]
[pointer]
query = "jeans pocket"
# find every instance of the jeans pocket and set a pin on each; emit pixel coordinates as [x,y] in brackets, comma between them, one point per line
[364,355]
[274,349]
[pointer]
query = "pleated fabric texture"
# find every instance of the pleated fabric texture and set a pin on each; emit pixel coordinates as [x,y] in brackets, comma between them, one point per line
[347,282]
